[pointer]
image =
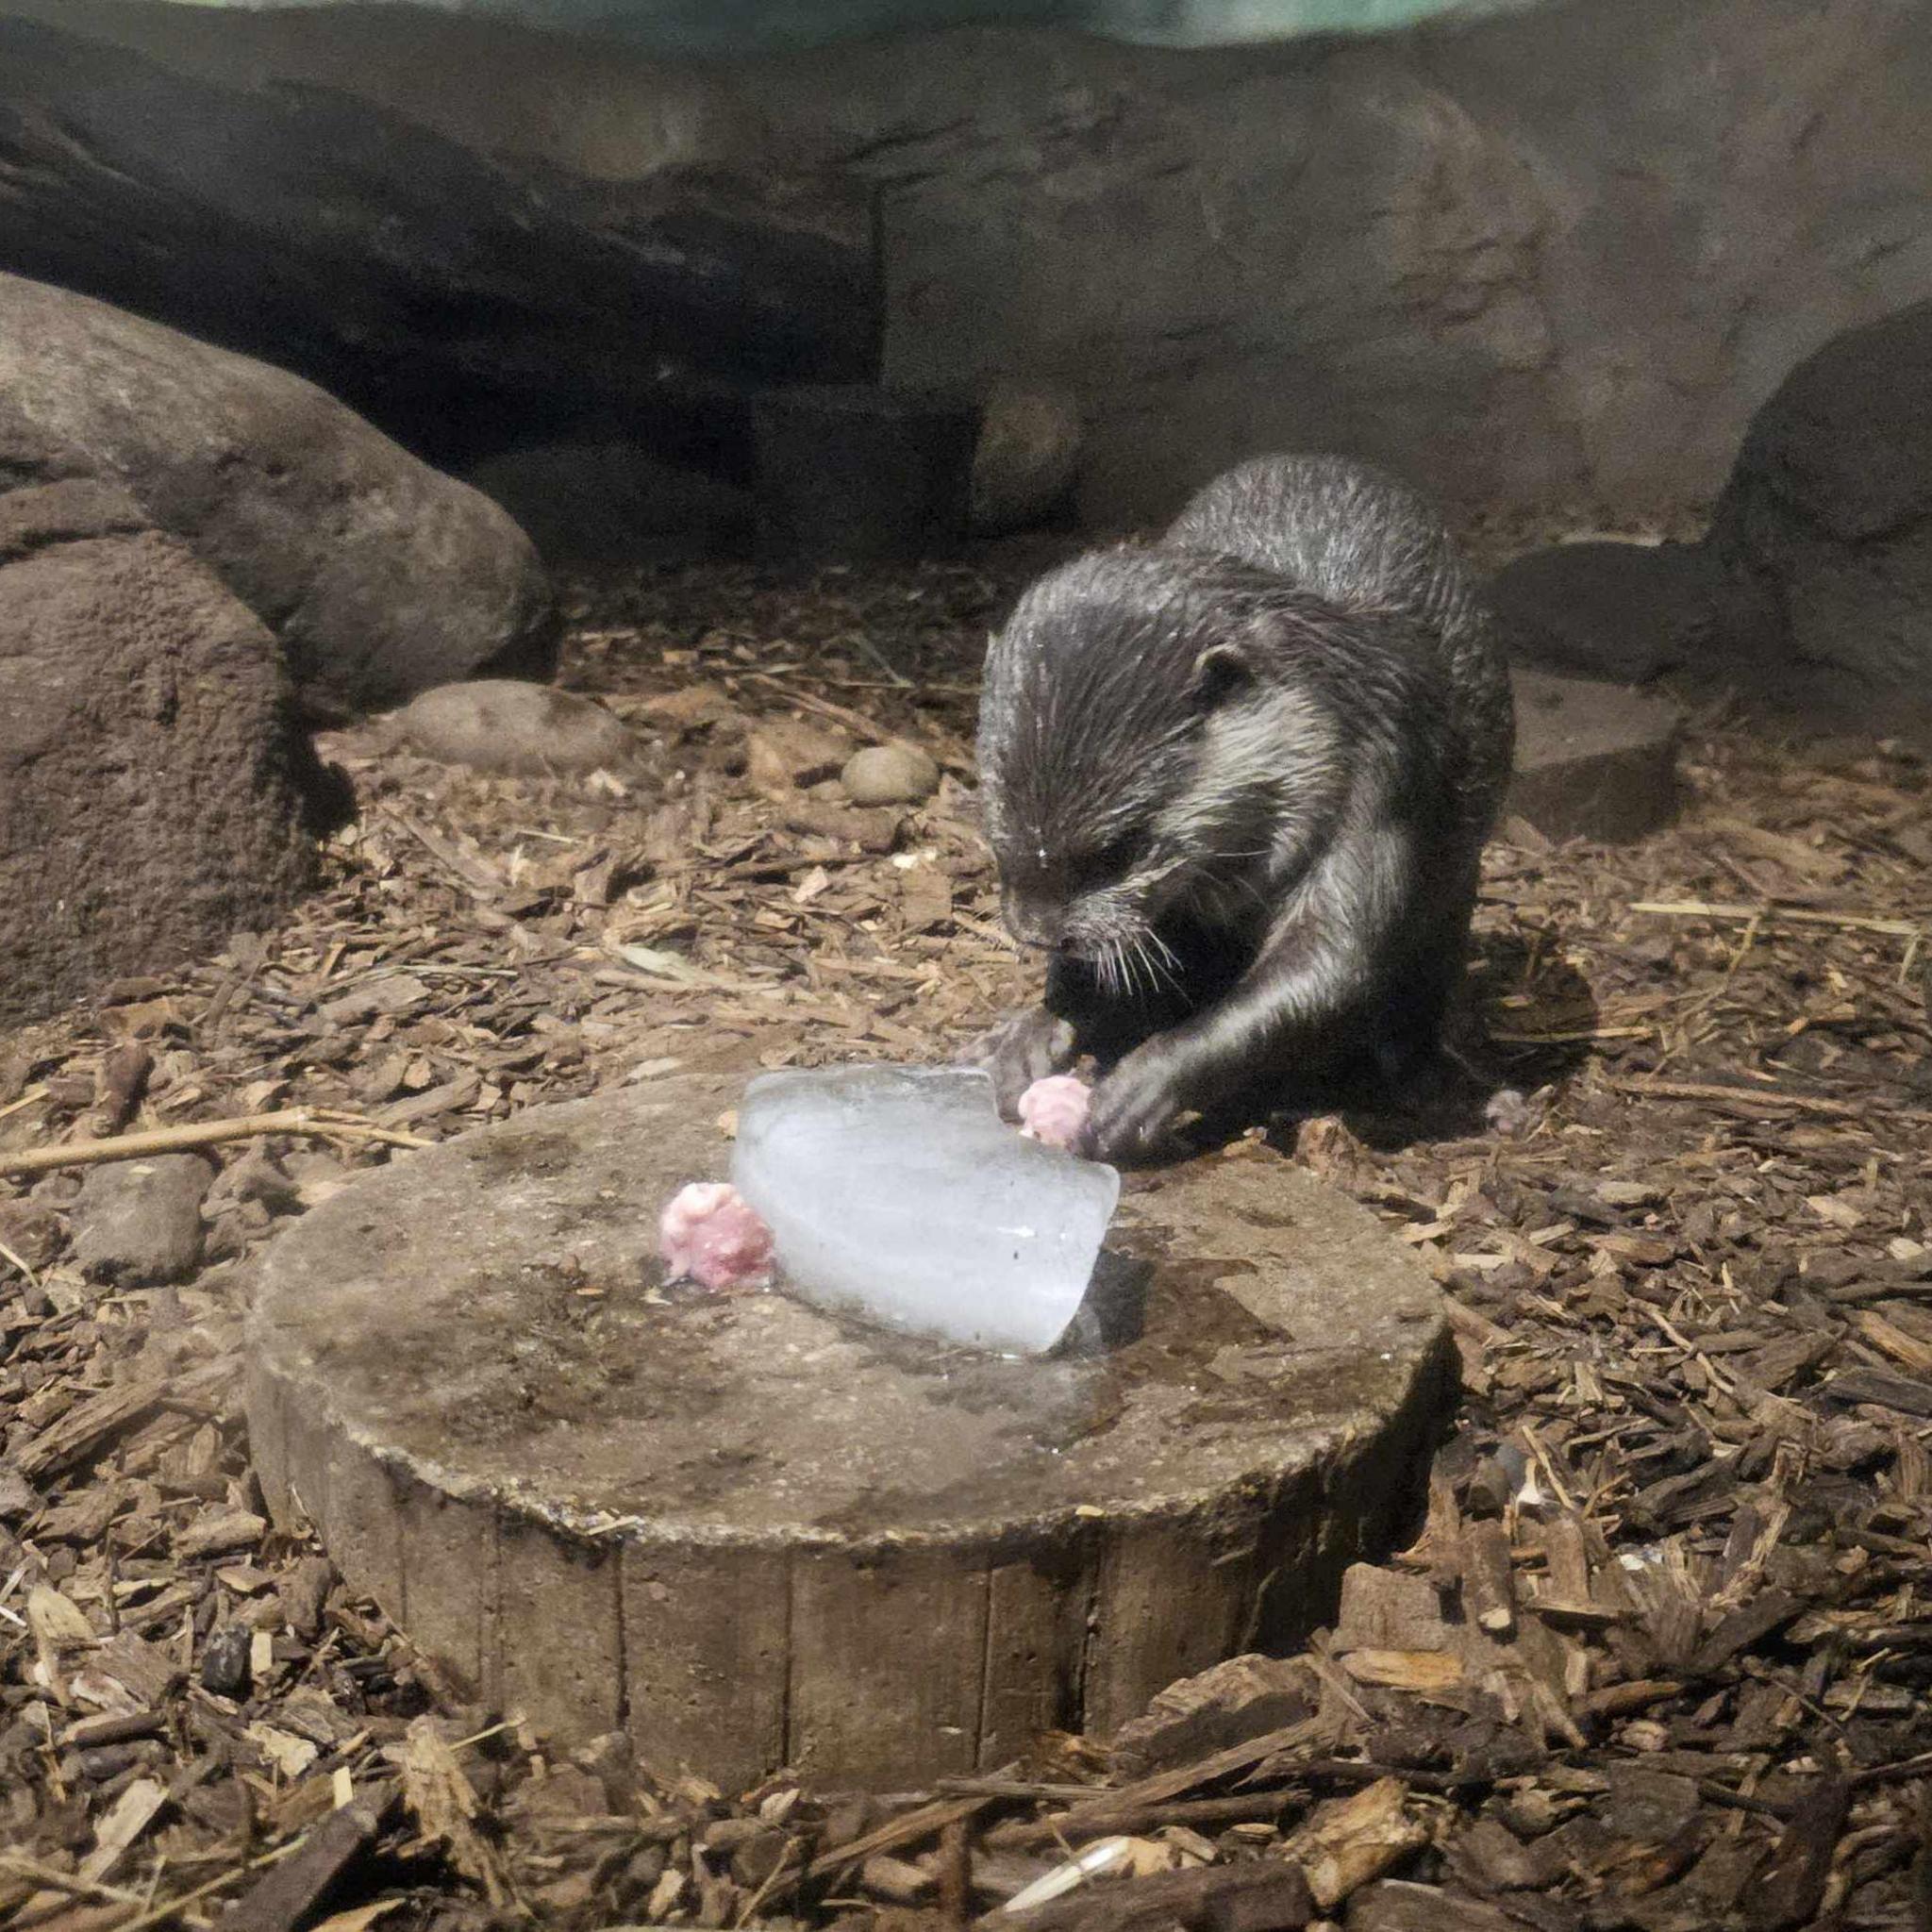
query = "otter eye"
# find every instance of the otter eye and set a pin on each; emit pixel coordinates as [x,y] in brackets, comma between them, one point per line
[1112,860]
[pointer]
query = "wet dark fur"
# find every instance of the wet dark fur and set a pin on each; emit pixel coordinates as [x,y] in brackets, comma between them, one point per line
[1238,785]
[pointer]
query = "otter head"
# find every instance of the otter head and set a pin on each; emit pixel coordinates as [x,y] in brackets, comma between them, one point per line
[1135,751]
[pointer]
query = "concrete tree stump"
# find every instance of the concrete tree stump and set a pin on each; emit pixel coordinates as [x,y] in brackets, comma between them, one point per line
[752,1534]
[851,473]
[1593,760]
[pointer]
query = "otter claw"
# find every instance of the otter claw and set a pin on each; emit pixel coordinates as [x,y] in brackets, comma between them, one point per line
[1021,1050]
[1134,1112]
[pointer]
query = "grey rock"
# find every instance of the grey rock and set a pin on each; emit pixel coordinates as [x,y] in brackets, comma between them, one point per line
[501,724]
[889,774]
[1824,529]
[1593,760]
[1623,611]
[464,293]
[224,1663]
[379,576]
[155,792]
[1028,456]
[32,1231]
[138,1223]
[1427,247]
[610,502]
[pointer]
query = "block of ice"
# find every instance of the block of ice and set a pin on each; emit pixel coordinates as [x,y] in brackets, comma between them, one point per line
[899,1192]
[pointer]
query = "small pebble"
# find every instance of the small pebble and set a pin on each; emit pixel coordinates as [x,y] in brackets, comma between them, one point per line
[224,1662]
[1054,1110]
[889,774]
[712,1234]
[138,1223]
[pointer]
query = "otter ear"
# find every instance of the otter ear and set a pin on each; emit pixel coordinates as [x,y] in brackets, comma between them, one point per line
[1220,671]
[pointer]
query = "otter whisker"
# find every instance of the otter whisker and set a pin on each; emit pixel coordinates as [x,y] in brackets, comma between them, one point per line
[1110,963]
[1157,958]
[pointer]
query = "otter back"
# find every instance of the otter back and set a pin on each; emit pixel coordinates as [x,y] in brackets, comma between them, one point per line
[1365,542]
[1238,783]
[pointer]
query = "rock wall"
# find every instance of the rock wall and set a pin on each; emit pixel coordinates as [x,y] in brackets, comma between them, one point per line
[1560,255]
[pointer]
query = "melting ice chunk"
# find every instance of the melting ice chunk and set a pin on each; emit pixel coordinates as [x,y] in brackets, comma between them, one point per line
[899,1192]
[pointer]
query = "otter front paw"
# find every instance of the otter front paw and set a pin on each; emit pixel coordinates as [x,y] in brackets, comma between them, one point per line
[1021,1050]
[1134,1110]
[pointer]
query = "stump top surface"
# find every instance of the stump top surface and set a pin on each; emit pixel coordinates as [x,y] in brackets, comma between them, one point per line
[1562,720]
[491,1314]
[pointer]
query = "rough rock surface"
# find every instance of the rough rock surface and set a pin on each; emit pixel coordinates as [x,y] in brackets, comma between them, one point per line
[1594,760]
[31,1231]
[463,299]
[501,724]
[154,785]
[381,576]
[1824,529]
[1623,611]
[138,1223]
[1028,456]
[1429,247]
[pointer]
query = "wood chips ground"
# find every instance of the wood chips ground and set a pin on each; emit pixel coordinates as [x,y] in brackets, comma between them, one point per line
[1659,1658]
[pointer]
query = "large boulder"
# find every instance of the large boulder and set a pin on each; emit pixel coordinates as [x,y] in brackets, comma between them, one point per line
[1825,528]
[1624,611]
[1435,247]
[381,576]
[466,297]
[156,790]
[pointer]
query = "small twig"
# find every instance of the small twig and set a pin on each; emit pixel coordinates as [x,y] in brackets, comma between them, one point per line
[163,1909]
[1793,915]
[855,722]
[1239,1807]
[32,1097]
[483,1737]
[71,1884]
[1569,1039]
[783,1870]
[7,1254]
[1645,1088]
[315,1122]
[1889,1774]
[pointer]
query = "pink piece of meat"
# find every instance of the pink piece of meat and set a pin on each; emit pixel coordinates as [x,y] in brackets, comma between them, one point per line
[1054,1110]
[710,1233]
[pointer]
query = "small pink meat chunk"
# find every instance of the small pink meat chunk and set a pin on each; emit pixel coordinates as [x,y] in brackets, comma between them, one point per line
[712,1234]
[1054,1110]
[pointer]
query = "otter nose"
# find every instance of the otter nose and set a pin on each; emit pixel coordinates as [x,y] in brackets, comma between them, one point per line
[1034,924]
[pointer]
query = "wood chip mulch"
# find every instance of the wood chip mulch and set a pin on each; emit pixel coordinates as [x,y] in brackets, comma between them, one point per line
[1659,1658]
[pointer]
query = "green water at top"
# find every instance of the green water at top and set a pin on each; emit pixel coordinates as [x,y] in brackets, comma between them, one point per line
[768,25]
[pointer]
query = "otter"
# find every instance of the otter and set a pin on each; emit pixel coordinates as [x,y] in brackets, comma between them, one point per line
[1238,784]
